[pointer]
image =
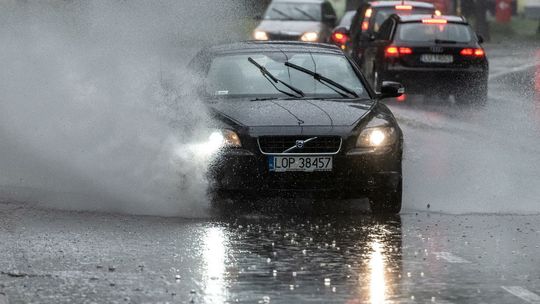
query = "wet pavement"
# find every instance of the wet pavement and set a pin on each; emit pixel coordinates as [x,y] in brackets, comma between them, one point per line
[303,257]
[285,253]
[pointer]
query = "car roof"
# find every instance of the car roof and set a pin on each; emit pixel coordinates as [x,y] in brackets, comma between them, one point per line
[265,46]
[420,17]
[394,3]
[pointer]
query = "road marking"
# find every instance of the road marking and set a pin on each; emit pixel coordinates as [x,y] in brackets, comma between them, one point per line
[513,70]
[522,293]
[3,299]
[450,258]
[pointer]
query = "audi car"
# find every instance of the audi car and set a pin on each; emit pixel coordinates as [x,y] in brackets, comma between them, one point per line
[298,119]
[370,16]
[442,51]
[297,20]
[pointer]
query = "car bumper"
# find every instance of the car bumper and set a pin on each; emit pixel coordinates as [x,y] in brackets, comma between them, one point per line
[353,175]
[428,80]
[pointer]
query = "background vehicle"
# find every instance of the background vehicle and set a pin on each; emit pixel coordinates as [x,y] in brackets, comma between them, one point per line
[300,20]
[433,55]
[341,34]
[370,16]
[283,130]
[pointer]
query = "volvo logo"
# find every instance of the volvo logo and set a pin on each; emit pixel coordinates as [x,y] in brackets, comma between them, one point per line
[299,144]
[436,49]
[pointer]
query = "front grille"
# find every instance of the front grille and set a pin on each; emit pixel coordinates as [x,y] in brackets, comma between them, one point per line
[279,144]
[283,37]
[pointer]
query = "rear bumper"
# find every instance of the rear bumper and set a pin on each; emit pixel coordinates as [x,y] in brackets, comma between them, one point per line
[429,80]
[353,176]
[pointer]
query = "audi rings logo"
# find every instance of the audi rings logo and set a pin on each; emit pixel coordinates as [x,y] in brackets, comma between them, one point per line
[436,49]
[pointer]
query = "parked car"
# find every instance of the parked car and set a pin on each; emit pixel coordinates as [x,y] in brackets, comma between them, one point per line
[370,16]
[295,118]
[300,20]
[429,55]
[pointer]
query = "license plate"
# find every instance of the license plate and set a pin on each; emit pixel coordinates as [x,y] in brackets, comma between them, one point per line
[300,163]
[436,58]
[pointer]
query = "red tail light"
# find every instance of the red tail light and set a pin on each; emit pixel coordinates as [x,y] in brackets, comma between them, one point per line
[340,38]
[395,51]
[404,7]
[472,52]
[365,25]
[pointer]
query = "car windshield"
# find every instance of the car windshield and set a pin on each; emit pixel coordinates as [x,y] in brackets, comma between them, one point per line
[381,14]
[234,76]
[422,32]
[294,11]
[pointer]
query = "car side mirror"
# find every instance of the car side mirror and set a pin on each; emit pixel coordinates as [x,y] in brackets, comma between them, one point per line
[480,38]
[391,89]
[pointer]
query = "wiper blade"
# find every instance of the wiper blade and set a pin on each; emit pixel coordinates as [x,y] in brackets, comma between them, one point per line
[444,41]
[273,80]
[281,13]
[324,80]
[303,12]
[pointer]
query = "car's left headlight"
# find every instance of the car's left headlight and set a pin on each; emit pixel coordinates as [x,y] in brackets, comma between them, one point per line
[376,137]
[310,37]
[224,139]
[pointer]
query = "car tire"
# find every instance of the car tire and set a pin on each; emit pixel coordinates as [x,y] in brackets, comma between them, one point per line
[475,95]
[387,200]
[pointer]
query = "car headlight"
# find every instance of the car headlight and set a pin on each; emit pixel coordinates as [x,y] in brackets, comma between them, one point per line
[260,35]
[376,137]
[310,37]
[224,139]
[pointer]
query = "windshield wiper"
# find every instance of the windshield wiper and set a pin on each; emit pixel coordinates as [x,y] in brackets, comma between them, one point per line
[273,80]
[444,41]
[303,12]
[282,13]
[324,80]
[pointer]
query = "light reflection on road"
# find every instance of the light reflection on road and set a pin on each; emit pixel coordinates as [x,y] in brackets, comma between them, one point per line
[215,251]
[377,268]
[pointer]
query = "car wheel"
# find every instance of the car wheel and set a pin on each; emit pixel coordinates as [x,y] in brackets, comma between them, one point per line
[475,95]
[387,201]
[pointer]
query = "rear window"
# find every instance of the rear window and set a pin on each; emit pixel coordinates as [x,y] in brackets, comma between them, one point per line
[450,32]
[382,14]
[346,20]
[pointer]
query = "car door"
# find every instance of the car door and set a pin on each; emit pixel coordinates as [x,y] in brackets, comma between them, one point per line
[374,59]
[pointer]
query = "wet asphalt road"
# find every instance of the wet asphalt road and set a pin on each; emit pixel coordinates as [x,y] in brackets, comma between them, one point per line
[291,257]
[280,254]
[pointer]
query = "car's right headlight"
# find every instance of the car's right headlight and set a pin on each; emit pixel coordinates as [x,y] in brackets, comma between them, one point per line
[376,137]
[260,35]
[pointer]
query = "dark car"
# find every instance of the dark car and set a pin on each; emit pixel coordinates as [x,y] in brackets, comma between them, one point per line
[429,55]
[298,119]
[370,16]
[341,33]
[299,20]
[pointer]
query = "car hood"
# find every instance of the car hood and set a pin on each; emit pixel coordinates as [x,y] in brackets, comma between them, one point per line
[292,28]
[295,112]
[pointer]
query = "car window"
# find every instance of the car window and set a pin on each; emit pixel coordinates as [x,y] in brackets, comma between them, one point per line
[430,32]
[346,20]
[294,11]
[381,14]
[234,75]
